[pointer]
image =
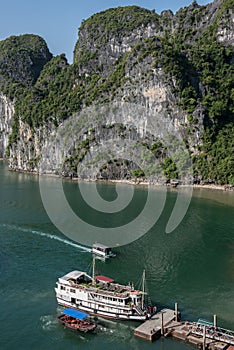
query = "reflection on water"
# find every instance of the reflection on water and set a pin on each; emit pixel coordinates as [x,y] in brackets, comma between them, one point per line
[220,196]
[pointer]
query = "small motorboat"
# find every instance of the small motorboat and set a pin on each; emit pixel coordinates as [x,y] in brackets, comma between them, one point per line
[76,320]
[102,251]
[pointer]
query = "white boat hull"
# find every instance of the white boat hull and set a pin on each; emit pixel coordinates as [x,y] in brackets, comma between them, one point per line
[100,313]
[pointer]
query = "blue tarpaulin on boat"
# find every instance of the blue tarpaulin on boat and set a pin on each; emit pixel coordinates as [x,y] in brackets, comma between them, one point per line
[75,313]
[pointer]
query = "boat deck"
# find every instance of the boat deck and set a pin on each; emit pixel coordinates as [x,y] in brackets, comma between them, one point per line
[104,289]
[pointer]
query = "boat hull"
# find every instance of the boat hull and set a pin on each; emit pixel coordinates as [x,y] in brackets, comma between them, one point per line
[79,326]
[103,314]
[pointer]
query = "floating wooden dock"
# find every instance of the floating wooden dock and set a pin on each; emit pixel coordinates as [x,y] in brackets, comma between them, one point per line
[205,336]
[154,327]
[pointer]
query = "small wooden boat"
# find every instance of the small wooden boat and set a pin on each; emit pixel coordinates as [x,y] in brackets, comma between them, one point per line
[76,320]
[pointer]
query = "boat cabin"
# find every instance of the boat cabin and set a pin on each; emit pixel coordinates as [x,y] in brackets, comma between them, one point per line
[76,277]
[102,250]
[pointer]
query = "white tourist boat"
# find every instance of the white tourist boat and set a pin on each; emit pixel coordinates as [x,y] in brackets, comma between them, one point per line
[102,251]
[101,296]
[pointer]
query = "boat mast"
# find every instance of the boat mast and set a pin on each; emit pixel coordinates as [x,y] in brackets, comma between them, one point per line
[143,290]
[93,273]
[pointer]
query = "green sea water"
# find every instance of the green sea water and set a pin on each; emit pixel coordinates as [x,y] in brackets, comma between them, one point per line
[193,266]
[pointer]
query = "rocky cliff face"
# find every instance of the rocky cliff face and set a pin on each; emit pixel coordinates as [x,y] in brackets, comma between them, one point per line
[139,94]
[107,36]
[104,39]
[25,154]
[21,61]
[6,121]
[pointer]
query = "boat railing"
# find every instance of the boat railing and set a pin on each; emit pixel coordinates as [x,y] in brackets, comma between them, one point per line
[216,333]
[139,309]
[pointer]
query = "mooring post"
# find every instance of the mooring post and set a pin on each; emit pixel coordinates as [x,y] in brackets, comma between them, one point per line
[215,321]
[176,312]
[204,337]
[162,326]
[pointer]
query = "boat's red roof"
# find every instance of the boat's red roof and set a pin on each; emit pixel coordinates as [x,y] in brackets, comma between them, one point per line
[104,279]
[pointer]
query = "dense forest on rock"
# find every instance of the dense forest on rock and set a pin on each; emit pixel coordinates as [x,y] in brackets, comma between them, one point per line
[119,50]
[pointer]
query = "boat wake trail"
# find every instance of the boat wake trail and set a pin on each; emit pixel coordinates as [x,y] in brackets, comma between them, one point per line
[50,236]
[65,241]
[48,322]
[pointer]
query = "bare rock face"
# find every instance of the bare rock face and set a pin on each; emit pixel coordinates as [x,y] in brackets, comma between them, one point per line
[6,121]
[225,33]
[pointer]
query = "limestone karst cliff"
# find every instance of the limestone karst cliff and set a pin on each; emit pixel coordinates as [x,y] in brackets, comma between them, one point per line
[6,121]
[147,95]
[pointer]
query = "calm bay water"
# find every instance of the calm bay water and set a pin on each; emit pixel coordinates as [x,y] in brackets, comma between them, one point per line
[193,266]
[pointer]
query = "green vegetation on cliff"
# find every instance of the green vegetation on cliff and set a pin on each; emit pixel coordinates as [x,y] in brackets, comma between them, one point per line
[49,100]
[216,159]
[21,60]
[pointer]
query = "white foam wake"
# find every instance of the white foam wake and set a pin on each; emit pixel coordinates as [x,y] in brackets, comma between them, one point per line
[48,235]
[62,240]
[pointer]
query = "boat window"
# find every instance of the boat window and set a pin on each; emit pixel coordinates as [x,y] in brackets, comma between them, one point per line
[72,290]
[128,301]
[83,279]
[103,249]
[62,288]
[100,249]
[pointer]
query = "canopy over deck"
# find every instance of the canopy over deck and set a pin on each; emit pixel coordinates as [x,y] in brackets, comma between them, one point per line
[75,313]
[104,279]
